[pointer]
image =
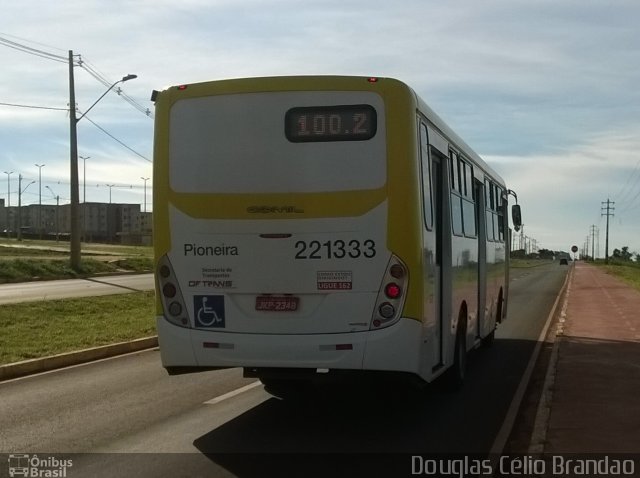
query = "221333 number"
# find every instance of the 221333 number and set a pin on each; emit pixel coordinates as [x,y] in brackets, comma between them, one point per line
[337,249]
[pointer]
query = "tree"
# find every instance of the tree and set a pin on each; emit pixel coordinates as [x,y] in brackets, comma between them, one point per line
[546,254]
[623,254]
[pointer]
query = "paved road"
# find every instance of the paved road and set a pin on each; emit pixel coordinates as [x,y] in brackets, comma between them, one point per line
[59,289]
[128,404]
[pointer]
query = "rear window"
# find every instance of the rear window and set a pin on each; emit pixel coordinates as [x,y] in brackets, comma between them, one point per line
[243,143]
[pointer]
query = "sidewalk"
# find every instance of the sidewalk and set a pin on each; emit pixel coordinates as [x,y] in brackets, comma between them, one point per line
[595,399]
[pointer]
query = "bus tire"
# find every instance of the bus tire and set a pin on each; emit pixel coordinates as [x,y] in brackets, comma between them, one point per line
[454,377]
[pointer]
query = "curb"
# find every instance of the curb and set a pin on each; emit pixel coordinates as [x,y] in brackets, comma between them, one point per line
[541,421]
[506,429]
[44,364]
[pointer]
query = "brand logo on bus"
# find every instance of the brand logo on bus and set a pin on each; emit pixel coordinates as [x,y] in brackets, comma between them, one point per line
[274,210]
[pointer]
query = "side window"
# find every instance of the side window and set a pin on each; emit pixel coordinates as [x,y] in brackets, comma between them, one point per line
[500,215]
[456,200]
[495,211]
[456,214]
[426,178]
[455,178]
[494,208]
[487,194]
[488,188]
[469,181]
[468,206]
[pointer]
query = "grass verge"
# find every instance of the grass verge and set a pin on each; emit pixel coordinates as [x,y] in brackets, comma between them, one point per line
[39,329]
[31,260]
[25,270]
[628,272]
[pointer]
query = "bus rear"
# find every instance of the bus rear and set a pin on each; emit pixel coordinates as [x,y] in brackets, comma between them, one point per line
[272,226]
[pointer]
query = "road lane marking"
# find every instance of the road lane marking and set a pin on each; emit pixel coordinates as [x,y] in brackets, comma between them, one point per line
[78,365]
[233,393]
[507,425]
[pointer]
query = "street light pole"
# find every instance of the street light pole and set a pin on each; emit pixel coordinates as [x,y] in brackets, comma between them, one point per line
[40,166]
[74,239]
[57,198]
[145,192]
[9,173]
[84,179]
[84,197]
[110,186]
[8,187]
[20,191]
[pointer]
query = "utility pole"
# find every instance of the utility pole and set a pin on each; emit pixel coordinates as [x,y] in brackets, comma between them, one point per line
[593,242]
[74,230]
[609,212]
[74,239]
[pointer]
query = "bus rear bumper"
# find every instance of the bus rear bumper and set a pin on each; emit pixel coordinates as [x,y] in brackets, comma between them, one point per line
[395,348]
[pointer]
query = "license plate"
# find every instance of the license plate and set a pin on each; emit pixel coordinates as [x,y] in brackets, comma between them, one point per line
[277,304]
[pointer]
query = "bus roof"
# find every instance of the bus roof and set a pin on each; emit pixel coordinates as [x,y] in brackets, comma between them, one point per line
[301,82]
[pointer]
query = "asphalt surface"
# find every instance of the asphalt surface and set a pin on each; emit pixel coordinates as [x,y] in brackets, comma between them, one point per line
[129,404]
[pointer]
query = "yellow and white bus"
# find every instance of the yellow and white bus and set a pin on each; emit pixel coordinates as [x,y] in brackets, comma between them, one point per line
[310,225]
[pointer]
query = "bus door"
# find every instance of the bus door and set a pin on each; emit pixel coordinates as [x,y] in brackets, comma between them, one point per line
[433,186]
[440,238]
[482,257]
[437,176]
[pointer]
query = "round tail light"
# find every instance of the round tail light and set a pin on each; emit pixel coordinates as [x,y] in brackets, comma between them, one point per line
[393,290]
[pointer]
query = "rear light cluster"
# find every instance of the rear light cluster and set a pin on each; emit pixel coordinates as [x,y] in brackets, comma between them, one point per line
[391,295]
[175,310]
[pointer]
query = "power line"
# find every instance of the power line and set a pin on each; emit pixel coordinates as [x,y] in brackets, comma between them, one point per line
[92,70]
[116,139]
[34,42]
[80,62]
[32,51]
[34,107]
[631,202]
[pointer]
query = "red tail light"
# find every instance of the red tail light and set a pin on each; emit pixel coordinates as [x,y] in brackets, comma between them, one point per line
[391,295]
[393,290]
[175,310]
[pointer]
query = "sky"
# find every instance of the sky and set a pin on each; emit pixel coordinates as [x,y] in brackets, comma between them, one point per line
[546,91]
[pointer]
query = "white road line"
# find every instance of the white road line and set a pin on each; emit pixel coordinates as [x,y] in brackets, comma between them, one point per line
[233,393]
[507,425]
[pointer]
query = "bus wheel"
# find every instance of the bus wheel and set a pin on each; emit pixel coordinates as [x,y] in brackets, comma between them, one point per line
[286,389]
[454,377]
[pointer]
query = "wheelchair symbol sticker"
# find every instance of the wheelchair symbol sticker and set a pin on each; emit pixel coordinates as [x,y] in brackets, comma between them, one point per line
[209,310]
